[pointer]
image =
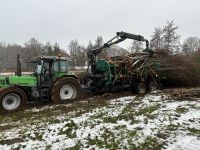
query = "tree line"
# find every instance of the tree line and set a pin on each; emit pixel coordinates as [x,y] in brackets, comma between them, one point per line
[168,39]
[165,37]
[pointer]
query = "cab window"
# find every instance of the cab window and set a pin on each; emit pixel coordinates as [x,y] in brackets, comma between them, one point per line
[63,66]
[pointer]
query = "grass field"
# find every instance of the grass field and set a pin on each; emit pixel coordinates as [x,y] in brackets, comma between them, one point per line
[153,121]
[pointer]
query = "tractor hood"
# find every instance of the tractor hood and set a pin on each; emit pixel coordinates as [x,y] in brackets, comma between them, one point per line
[18,80]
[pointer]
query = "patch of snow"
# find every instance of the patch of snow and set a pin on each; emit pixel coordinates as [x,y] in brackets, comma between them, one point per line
[185,143]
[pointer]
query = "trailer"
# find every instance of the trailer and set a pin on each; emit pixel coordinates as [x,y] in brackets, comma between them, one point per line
[137,72]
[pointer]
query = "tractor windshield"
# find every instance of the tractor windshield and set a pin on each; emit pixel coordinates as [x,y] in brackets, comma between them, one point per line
[61,66]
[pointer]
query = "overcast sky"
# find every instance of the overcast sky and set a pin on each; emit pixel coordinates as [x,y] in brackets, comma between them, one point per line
[64,20]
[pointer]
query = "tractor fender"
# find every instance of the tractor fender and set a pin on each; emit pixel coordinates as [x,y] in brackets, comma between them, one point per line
[72,76]
[5,89]
[68,76]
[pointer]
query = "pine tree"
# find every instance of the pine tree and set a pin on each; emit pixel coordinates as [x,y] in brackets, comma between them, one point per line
[170,37]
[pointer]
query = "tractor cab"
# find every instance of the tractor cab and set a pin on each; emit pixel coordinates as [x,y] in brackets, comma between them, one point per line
[47,70]
[50,68]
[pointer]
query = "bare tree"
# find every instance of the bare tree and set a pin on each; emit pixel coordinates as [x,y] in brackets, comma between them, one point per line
[8,55]
[157,39]
[190,45]
[98,44]
[34,48]
[49,49]
[90,46]
[136,46]
[74,49]
[56,49]
[82,56]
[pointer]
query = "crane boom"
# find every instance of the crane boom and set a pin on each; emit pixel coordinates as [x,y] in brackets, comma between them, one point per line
[120,36]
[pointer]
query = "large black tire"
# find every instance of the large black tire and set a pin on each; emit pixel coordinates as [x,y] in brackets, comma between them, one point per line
[141,88]
[64,89]
[12,99]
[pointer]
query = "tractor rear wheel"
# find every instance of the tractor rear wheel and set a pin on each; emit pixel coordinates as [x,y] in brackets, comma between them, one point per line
[12,99]
[64,89]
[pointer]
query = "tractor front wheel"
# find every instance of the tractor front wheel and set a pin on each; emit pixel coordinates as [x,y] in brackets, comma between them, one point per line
[12,99]
[64,89]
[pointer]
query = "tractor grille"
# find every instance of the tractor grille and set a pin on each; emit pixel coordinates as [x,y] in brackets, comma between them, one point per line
[2,82]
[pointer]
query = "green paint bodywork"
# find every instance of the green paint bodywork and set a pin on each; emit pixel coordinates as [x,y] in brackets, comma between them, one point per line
[26,80]
[109,70]
[23,80]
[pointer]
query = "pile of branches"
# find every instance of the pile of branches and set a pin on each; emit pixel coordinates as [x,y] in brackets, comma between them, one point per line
[173,70]
[140,65]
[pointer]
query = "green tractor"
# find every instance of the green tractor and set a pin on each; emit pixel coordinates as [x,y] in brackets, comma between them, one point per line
[51,80]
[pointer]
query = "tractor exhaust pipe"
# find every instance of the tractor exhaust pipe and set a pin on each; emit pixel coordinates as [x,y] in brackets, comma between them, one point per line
[19,70]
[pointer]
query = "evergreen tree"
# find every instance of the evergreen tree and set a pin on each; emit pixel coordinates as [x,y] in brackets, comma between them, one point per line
[170,37]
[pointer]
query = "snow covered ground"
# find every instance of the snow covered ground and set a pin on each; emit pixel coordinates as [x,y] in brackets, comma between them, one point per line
[154,121]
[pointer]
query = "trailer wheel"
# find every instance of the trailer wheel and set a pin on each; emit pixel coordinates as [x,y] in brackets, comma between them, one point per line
[141,88]
[64,89]
[152,86]
[12,99]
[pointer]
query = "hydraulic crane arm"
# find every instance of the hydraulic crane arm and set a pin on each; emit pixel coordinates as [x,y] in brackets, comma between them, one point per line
[121,36]
[125,35]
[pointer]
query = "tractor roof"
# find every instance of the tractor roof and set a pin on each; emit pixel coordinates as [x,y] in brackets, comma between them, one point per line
[47,59]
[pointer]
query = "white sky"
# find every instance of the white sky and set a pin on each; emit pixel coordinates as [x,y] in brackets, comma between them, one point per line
[65,20]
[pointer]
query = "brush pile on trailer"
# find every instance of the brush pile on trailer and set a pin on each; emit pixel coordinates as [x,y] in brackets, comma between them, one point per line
[135,64]
[169,70]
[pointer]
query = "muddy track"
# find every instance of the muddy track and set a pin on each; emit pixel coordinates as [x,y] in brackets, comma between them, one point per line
[177,93]
[90,98]
[85,97]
